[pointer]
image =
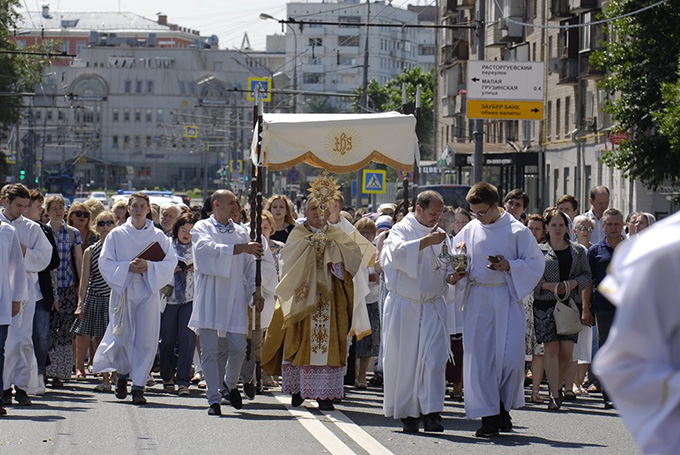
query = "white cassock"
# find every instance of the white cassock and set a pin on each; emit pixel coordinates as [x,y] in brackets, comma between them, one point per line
[224,281]
[360,323]
[21,367]
[13,278]
[414,332]
[494,323]
[639,364]
[131,339]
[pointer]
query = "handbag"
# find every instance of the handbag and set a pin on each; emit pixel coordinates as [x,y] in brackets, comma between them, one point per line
[566,313]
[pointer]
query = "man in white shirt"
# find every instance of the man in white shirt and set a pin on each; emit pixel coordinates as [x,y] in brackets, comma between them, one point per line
[505,265]
[21,368]
[131,339]
[12,288]
[224,261]
[599,202]
[416,337]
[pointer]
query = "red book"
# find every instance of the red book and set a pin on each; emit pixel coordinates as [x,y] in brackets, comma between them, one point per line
[153,252]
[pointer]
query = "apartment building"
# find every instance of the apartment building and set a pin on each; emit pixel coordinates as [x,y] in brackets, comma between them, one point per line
[562,153]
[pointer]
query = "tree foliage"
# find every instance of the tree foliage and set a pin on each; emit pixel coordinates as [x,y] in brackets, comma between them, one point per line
[642,82]
[388,97]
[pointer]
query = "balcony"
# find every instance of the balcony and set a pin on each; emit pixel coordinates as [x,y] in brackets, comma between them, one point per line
[568,71]
[579,6]
[465,4]
[586,69]
[559,9]
[459,50]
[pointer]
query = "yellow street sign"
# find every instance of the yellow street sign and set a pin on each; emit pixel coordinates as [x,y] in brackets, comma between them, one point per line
[264,84]
[505,110]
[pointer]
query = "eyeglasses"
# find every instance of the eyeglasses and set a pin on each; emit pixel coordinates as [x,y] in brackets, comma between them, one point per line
[584,228]
[78,213]
[105,223]
[482,213]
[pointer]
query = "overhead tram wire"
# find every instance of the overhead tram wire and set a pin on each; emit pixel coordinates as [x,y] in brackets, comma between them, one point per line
[569,26]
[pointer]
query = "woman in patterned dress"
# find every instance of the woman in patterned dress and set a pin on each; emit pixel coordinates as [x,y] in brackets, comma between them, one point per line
[93,300]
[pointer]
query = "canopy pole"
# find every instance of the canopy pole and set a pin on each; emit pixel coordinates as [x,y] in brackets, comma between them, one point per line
[405,180]
[256,233]
[416,170]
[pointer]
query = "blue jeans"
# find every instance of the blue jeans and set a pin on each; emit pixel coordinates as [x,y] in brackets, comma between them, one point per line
[3,337]
[42,338]
[175,332]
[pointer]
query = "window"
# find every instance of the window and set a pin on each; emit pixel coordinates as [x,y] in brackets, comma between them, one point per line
[316,42]
[567,114]
[548,123]
[149,86]
[347,60]
[217,66]
[138,115]
[159,115]
[65,47]
[128,86]
[352,21]
[565,189]
[80,45]
[149,142]
[48,114]
[347,79]
[149,115]
[558,116]
[348,41]
[126,142]
[138,143]
[312,78]
[126,115]
[314,61]
[115,116]
[60,115]
[114,142]
[425,49]
[182,90]
[190,88]
[138,86]
[585,31]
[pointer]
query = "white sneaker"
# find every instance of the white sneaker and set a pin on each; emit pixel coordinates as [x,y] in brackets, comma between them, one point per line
[40,390]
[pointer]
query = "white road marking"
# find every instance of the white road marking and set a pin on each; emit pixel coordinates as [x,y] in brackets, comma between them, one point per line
[326,437]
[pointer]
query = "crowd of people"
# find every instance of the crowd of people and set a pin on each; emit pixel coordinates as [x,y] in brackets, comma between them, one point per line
[119,294]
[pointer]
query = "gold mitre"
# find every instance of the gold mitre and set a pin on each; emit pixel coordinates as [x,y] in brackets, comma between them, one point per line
[325,190]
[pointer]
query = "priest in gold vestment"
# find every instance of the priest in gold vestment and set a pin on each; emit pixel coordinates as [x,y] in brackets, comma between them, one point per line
[306,341]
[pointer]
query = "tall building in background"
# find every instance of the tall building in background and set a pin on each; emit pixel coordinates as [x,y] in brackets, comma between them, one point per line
[144,103]
[330,58]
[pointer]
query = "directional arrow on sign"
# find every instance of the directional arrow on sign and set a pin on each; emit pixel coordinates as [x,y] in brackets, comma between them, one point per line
[475,79]
[536,110]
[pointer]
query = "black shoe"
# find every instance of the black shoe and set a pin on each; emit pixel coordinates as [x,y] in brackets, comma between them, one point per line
[121,388]
[235,398]
[326,405]
[296,400]
[504,420]
[138,397]
[21,397]
[249,390]
[489,427]
[215,410]
[608,405]
[3,411]
[7,397]
[410,424]
[433,422]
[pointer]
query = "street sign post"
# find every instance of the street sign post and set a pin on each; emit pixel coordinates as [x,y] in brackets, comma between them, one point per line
[374,181]
[505,90]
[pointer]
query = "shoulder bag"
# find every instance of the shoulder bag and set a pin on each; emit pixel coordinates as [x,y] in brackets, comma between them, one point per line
[567,315]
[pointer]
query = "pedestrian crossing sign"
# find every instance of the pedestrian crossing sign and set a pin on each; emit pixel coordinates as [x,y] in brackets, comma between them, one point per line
[265,85]
[374,181]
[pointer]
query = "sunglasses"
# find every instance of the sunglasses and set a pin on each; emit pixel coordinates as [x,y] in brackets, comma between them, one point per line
[584,228]
[105,223]
[78,213]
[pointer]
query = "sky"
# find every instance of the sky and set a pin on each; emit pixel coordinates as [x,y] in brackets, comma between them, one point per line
[228,19]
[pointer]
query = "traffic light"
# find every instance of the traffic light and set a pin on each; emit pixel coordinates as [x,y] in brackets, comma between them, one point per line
[22,175]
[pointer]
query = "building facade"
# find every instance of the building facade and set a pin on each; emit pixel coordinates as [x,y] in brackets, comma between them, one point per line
[564,150]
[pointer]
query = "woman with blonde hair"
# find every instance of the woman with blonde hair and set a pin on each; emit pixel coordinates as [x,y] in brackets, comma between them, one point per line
[281,209]
[93,300]
[79,216]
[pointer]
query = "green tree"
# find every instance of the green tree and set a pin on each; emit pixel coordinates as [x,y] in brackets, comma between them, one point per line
[383,98]
[641,59]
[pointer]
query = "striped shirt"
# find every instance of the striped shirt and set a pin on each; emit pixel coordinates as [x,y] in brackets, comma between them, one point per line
[65,272]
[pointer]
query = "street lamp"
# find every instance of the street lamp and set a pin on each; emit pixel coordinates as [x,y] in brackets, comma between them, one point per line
[264,17]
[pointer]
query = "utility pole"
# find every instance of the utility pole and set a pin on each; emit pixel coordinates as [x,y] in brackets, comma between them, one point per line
[363,101]
[479,124]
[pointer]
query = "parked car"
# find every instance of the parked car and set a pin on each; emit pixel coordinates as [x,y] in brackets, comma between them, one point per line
[100,196]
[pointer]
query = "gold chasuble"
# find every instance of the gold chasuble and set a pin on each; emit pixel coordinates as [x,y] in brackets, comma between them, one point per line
[313,314]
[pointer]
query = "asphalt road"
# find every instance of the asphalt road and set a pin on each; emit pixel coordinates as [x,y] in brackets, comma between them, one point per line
[76,419]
